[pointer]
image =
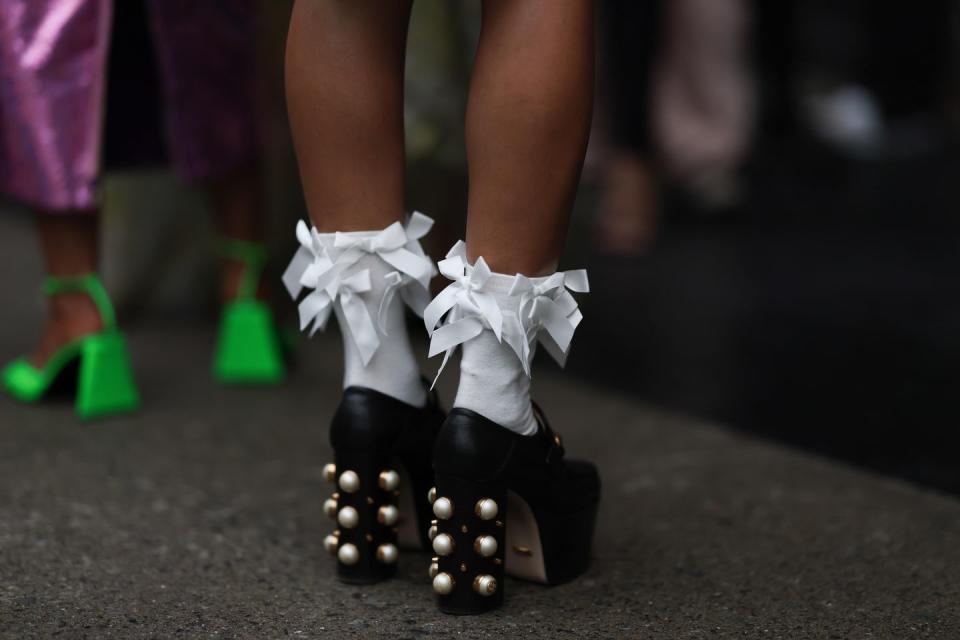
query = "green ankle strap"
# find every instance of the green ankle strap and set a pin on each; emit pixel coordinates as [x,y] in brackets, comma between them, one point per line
[253,255]
[90,284]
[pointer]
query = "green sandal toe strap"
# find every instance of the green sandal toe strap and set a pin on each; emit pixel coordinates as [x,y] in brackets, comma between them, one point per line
[253,255]
[89,284]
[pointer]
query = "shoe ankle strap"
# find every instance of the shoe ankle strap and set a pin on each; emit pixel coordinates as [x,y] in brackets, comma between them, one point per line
[253,255]
[89,284]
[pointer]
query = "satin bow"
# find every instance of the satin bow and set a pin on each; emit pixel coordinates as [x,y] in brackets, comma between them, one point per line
[414,270]
[321,266]
[468,307]
[548,312]
[398,245]
[317,306]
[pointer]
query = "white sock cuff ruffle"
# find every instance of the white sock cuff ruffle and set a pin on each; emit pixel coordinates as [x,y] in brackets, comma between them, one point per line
[520,311]
[321,264]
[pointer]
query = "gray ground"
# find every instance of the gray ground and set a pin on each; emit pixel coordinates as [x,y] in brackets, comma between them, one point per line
[200,517]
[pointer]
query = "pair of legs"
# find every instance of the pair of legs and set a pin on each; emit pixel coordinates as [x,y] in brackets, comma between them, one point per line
[527,121]
[69,242]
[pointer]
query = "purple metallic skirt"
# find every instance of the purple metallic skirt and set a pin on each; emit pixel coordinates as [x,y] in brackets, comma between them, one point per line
[53,72]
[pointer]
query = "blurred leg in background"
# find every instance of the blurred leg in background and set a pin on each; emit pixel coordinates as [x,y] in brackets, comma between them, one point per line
[208,56]
[53,65]
[679,93]
[53,104]
[238,209]
[629,34]
[702,99]
[49,141]
[69,245]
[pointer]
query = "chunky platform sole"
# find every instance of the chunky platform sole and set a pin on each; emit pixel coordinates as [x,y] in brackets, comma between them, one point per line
[376,513]
[506,504]
[483,531]
[469,543]
[365,509]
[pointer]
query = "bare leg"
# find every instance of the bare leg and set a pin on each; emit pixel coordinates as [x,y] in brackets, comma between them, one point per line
[344,79]
[627,221]
[69,245]
[528,121]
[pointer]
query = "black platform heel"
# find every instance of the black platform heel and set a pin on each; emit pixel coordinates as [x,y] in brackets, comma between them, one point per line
[381,472]
[506,503]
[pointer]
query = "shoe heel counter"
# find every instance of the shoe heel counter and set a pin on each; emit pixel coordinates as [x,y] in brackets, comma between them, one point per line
[472,447]
[366,420]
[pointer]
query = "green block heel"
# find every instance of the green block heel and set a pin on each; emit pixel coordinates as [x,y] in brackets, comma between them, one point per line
[249,349]
[248,346]
[104,384]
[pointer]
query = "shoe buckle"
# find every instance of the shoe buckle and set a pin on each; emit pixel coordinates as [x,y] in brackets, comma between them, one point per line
[555,450]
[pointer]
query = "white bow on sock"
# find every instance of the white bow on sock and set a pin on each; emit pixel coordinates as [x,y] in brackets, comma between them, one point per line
[499,319]
[357,276]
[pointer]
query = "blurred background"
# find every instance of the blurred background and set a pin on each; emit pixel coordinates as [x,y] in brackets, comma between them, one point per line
[768,210]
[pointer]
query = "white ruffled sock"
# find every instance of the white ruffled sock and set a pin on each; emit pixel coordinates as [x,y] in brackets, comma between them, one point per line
[498,320]
[492,380]
[369,295]
[393,369]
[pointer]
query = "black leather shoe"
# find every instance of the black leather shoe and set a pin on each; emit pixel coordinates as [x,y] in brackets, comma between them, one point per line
[506,502]
[382,472]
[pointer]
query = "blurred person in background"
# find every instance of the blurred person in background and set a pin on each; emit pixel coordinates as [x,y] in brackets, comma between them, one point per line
[54,56]
[872,80]
[676,84]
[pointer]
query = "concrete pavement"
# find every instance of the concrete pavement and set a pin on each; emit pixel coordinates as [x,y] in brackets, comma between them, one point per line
[201,517]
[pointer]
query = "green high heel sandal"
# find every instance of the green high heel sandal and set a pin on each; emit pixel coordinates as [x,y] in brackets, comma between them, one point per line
[105,383]
[249,348]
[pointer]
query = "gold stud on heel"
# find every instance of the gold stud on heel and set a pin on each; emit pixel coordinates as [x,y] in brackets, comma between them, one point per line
[349,481]
[443,544]
[387,553]
[485,546]
[486,509]
[388,480]
[443,583]
[348,554]
[443,508]
[331,542]
[387,515]
[330,472]
[485,585]
[348,517]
